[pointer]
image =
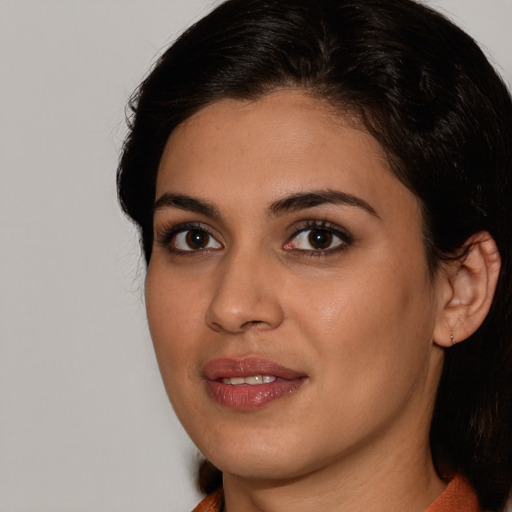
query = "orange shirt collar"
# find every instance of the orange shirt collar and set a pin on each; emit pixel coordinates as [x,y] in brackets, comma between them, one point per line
[459,496]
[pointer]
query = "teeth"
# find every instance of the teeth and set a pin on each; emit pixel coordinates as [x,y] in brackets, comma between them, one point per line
[253,380]
[257,379]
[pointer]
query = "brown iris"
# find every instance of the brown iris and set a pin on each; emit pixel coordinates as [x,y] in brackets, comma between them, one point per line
[320,238]
[197,239]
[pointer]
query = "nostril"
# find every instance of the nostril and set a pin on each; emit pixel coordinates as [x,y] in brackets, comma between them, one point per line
[216,327]
[240,305]
[251,324]
[246,326]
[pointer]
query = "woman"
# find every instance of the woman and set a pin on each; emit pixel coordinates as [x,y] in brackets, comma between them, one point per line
[321,189]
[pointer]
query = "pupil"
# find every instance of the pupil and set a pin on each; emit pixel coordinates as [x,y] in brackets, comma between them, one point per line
[196,239]
[320,239]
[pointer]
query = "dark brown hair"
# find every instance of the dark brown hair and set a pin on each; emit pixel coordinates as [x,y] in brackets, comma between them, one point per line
[425,91]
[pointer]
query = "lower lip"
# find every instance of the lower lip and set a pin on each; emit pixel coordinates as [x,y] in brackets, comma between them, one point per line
[246,397]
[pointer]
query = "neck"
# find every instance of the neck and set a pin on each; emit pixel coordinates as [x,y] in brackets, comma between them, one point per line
[381,480]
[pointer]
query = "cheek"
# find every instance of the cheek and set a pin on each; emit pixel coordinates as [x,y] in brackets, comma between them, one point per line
[350,302]
[371,346]
[172,331]
[373,322]
[173,317]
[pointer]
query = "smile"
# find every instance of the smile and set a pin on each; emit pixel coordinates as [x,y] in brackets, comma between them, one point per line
[249,383]
[253,380]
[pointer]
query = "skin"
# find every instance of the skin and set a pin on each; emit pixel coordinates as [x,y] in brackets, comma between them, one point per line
[358,319]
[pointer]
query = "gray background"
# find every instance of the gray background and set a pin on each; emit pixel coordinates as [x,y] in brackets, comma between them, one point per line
[84,421]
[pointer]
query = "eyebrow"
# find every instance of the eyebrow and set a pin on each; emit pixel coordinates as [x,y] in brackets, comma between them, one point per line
[302,201]
[292,203]
[188,203]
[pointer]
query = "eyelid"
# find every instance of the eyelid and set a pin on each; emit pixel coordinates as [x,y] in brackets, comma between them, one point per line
[165,234]
[324,225]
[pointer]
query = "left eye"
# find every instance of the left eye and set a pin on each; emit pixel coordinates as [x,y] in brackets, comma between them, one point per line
[317,239]
[194,240]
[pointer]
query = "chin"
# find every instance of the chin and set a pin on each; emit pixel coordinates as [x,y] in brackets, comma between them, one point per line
[283,458]
[244,456]
[259,467]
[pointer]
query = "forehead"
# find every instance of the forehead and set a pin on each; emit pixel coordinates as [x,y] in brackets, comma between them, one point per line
[286,142]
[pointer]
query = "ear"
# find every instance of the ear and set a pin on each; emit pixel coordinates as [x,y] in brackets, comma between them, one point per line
[467,290]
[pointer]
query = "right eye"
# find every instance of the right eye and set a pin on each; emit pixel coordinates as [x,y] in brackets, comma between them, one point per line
[187,238]
[194,239]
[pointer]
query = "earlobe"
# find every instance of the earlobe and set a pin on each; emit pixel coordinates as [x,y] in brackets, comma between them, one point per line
[470,283]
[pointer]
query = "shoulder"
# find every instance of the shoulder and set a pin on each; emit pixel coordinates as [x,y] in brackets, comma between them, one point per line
[211,503]
[459,496]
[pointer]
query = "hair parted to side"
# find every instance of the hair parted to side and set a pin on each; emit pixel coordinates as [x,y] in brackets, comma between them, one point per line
[426,92]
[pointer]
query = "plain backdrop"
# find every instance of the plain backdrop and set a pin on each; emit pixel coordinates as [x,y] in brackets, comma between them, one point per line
[84,421]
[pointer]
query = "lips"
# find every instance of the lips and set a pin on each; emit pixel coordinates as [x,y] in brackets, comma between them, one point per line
[249,383]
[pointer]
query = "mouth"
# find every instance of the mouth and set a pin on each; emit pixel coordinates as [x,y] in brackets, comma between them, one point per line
[253,380]
[249,383]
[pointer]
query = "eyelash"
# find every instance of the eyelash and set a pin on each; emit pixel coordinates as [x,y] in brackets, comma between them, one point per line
[167,235]
[322,225]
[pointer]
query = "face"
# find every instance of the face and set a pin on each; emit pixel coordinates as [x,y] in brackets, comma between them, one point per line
[288,294]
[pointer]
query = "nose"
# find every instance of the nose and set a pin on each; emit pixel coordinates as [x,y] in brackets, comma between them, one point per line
[246,295]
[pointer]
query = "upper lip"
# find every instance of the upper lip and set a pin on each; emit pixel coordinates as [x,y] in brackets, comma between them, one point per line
[246,367]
